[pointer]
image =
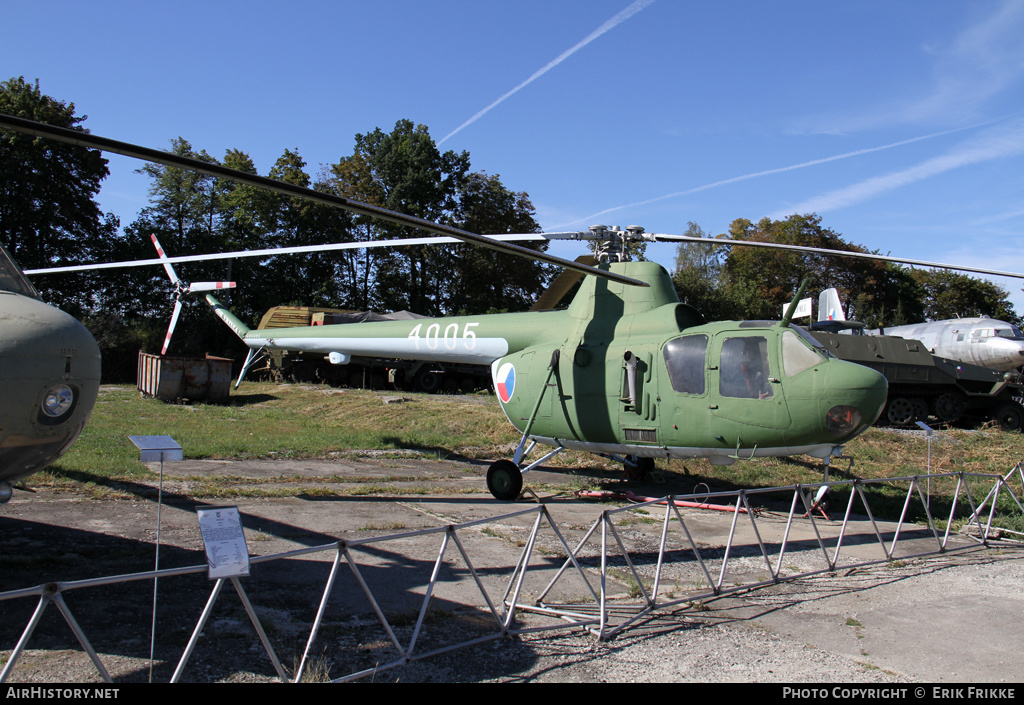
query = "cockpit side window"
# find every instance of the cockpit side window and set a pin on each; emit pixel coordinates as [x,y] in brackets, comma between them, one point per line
[796,356]
[685,358]
[1013,333]
[744,371]
[12,279]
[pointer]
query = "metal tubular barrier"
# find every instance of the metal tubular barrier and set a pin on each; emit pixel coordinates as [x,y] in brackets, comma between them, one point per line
[596,609]
[498,609]
[646,585]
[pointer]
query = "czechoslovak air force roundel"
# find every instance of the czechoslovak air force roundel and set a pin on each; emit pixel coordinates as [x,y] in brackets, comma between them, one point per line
[505,382]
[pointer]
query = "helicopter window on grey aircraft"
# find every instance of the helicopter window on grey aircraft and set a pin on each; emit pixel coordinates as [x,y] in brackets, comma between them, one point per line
[11,278]
[684,358]
[796,357]
[743,371]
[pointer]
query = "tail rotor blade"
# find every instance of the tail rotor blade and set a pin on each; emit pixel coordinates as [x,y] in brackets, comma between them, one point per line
[163,258]
[170,328]
[209,286]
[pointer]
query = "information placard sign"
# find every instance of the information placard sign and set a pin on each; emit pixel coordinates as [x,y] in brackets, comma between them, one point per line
[226,552]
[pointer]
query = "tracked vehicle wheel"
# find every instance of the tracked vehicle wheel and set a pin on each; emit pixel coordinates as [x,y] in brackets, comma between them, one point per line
[920,409]
[949,407]
[901,411]
[428,380]
[1009,416]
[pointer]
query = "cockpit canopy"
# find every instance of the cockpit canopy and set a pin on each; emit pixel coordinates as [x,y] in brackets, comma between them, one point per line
[1012,332]
[744,361]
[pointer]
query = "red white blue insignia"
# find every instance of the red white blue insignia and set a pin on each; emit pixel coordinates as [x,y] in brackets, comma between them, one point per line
[505,382]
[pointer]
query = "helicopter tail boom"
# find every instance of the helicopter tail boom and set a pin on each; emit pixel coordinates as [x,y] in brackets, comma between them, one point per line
[229,318]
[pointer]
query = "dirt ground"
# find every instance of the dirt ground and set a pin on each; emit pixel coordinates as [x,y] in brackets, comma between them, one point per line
[955,617]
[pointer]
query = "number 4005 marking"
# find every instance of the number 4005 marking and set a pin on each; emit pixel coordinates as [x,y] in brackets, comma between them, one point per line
[432,337]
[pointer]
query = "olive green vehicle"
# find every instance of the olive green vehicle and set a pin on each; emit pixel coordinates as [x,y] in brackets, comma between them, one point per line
[923,386]
[627,372]
[49,378]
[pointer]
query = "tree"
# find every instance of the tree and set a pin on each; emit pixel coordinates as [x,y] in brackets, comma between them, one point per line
[953,295]
[48,213]
[352,178]
[699,277]
[480,279]
[766,279]
[309,279]
[404,171]
[196,214]
[184,203]
[895,298]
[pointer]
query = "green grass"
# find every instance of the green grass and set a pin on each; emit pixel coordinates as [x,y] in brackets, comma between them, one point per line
[264,420]
[282,421]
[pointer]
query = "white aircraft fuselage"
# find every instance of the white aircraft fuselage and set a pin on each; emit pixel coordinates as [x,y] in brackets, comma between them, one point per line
[985,341]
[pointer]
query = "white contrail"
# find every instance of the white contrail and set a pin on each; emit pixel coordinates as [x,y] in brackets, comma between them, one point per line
[615,21]
[997,143]
[778,170]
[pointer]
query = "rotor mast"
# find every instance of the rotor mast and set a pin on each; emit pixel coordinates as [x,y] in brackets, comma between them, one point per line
[611,243]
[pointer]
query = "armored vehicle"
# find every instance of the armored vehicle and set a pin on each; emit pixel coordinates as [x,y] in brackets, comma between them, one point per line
[923,386]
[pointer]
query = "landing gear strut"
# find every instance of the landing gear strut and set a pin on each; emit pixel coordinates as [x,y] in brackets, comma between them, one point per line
[637,468]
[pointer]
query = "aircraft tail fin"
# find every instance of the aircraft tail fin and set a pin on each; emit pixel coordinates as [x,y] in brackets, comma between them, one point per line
[225,315]
[830,308]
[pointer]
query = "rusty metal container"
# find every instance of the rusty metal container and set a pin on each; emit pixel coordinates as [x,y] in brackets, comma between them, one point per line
[195,378]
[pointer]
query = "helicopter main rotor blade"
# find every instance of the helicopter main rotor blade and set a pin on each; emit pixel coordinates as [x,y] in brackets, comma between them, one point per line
[273,252]
[608,235]
[84,139]
[835,253]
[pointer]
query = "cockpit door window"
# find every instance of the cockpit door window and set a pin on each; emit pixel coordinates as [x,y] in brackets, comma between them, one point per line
[744,371]
[686,361]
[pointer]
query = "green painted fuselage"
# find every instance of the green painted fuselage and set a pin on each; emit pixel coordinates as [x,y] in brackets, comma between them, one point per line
[49,377]
[631,370]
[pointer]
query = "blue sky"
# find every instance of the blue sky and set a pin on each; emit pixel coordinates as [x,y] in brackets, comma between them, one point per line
[900,123]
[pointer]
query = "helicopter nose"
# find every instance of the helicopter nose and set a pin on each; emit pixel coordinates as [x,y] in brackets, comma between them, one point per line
[856,397]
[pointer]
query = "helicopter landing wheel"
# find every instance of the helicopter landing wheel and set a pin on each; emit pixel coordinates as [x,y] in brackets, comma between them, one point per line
[504,480]
[638,468]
